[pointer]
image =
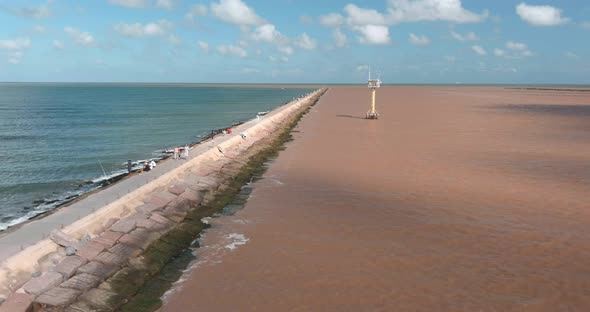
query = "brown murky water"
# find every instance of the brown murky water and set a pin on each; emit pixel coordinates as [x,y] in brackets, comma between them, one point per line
[457,199]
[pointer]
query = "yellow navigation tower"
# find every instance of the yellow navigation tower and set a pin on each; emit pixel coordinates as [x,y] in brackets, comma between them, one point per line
[373,85]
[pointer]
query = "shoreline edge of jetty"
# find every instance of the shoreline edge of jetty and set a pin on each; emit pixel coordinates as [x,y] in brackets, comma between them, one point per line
[73,262]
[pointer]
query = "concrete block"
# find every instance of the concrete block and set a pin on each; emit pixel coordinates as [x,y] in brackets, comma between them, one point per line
[43,283]
[148,208]
[81,282]
[68,266]
[98,269]
[17,302]
[174,215]
[61,238]
[141,238]
[90,250]
[111,258]
[108,239]
[173,211]
[180,203]
[192,196]
[177,188]
[124,226]
[125,250]
[147,224]
[161,219]
[57,297]
[161,199]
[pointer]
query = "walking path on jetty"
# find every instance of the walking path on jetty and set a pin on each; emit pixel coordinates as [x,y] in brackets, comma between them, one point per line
[456,199]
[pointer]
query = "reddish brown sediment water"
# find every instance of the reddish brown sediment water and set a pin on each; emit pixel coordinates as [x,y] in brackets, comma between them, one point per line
[456,199]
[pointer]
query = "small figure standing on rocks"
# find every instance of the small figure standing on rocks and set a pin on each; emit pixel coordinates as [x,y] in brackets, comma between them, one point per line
[176,152]
[186,149]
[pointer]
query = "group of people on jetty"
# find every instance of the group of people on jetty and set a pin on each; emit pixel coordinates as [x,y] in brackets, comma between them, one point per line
[176,153]
[180,152]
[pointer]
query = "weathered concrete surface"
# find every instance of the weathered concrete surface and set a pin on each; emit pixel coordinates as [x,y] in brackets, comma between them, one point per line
[61,238]
[140,238]
[17,302]
[68,266]
[161,199]
[111,259]
[90,250]
[98,269]
[81,282]
[125,250]
[41,284]
[108,239]
[56,297]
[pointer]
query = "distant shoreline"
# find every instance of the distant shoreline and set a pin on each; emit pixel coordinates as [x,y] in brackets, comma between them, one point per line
[289,85]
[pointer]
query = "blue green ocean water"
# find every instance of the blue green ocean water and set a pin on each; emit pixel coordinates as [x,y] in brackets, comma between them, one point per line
[55,139]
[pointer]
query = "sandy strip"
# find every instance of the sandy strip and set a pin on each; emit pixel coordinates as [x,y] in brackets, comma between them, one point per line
[457,199]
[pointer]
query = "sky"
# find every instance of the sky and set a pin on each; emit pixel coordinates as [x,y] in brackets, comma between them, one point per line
[295,41]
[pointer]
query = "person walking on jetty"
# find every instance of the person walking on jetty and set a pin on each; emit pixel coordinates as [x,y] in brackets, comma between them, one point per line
[186,148]
[176,152]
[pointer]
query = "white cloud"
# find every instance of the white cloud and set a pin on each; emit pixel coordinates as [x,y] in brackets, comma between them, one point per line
[196,10]
[340,39]
[540,15]
[159,28]
[15,48]
[373,34]
[15,44]
[586,25]
[332,20]
[516,46]
[360,16]
[431,10]
[499,52]
[305,42]
[232,50]
[267,33]
[479,50]
[57,44]
[130,3]
[362,68]
[470,36]
[165,4]
[203,45]
[419,40]
[235,12]
[517,50]
[80,37]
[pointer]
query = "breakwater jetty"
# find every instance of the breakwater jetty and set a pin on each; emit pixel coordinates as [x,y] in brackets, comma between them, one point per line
[74,257]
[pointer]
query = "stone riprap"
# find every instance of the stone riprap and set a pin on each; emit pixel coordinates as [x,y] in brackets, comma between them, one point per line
[128,229]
